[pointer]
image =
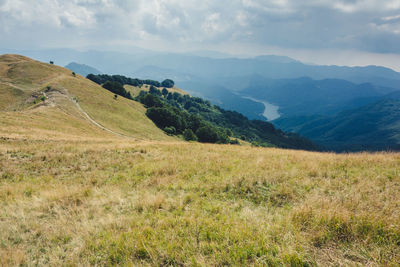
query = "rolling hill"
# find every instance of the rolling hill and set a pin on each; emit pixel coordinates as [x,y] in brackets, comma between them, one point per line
[47,100]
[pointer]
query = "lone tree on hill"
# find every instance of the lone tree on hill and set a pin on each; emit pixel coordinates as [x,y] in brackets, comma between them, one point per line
[168,83]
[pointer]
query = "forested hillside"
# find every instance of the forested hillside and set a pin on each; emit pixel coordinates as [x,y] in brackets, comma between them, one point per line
[375,126]
[198,119]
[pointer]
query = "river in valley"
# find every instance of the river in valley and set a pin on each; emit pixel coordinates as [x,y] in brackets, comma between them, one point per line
[270,111]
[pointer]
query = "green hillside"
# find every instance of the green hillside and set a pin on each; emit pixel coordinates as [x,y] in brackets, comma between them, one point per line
[374,126]
[305,96]
[178,113]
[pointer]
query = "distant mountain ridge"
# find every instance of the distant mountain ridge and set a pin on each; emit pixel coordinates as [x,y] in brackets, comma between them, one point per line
[374,126]
[305,96]
[272,67]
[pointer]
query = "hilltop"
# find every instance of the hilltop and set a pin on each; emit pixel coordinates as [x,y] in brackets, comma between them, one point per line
[51,101]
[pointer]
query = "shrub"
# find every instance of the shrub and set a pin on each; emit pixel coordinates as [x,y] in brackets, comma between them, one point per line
[165,117]
[234,142]
[189,135]
[170,130]
[207,134]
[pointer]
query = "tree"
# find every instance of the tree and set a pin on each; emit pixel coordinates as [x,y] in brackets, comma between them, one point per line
[164,91]
[51,62]
[166,117]
[189,135]
[73,74]
[116,88]
[115,97]
[207,134]
[168,83]
[150,100]
[154,91]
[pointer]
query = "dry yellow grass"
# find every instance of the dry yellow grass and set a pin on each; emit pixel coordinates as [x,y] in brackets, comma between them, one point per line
[32,80]
[74,194]
[154,203]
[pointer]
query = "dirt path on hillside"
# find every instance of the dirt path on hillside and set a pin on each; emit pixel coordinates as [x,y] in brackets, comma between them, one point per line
[93,121]
[73,100]
[64,93]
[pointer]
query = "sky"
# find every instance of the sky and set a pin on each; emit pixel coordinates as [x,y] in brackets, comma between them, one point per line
[344,32]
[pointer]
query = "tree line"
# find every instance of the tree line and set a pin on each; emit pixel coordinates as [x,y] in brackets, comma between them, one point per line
[103,78]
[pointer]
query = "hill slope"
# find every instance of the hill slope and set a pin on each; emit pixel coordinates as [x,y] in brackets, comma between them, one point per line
[39,97]
[305,96]
[375,126]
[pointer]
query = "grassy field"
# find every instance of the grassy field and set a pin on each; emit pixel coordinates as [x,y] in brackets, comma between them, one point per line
[161,203]
[115,190]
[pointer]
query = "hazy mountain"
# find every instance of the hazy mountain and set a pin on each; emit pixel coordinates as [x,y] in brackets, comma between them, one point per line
[214,69]
[375,126]
[305,96]
[82,69]
[225,98]
[160,74]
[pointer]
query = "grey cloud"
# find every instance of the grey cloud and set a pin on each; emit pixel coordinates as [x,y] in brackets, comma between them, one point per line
[369,25]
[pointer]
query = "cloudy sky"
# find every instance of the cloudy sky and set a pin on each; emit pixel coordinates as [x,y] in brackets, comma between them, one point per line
[346,32]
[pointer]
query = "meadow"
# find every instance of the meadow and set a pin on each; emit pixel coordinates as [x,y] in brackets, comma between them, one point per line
[89,180]
[119,201]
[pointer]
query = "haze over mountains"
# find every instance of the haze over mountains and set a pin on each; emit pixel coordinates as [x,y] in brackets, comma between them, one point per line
[303,92]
